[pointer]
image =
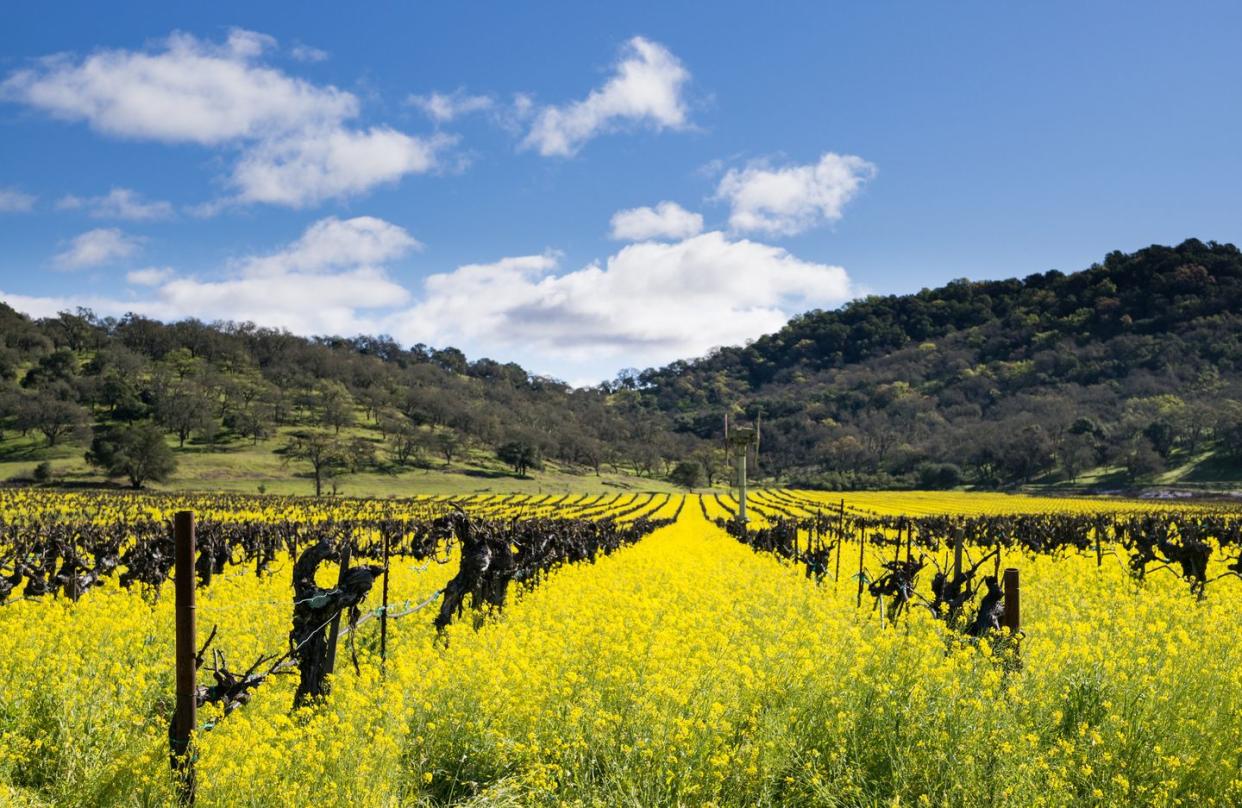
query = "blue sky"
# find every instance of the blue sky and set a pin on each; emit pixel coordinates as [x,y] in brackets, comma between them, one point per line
[584,187]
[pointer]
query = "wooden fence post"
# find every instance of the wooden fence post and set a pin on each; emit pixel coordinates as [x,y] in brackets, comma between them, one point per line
[186,716]
[334,629]
[957,552]
[1013,602]
[71,567]
[836,578]
[384,613]
[862,548]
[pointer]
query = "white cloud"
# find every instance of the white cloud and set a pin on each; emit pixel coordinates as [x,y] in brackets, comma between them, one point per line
[513,117]
[648,303]
[523,105]
[14,201]
[51,306]
[305,53]
[304,303]
[295,146]
[310,166]
[328,281]
[189,91]
[332,243]
[245,44]
[667,220]
[792,199]
[444,107]
[103,245]
[210,208]
[151,276]
[645,88]
[119,203]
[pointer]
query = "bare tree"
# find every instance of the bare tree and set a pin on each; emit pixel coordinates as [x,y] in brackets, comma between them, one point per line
[325,453]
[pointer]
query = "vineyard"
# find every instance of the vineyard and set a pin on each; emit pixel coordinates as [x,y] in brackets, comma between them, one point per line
[632,649]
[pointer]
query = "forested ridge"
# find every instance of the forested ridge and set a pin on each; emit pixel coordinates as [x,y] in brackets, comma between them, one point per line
[1133,363]
[1119,373]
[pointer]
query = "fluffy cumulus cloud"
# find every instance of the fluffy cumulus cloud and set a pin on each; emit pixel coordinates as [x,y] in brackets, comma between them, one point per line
[648,303]
[189,90]
[792,199]
[119,203]
[330,280]
[646,88]
[667,220]
[445,107]
[332,243]
[14,201]
[304,303]
[309,166]
[98,247]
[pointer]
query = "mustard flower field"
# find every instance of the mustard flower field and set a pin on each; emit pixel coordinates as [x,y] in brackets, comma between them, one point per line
[689,664]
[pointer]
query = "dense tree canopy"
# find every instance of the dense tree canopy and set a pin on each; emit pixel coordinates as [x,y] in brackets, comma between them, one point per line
[136,452]
[1137,356]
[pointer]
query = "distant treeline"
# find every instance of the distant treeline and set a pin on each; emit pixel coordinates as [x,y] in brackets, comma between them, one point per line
[210,383]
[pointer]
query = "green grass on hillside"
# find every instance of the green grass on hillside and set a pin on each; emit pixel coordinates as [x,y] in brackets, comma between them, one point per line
[237,465]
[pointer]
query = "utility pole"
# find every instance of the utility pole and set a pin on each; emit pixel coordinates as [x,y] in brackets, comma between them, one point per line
[741,485]
[740,439]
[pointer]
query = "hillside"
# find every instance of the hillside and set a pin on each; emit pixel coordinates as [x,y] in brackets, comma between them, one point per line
[237,406]
[1127,373]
